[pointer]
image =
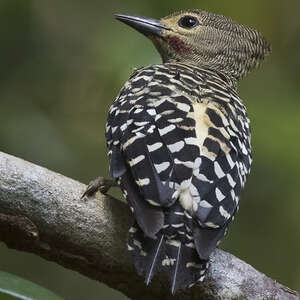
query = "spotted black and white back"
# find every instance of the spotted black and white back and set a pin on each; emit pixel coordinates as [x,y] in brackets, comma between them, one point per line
[179,146]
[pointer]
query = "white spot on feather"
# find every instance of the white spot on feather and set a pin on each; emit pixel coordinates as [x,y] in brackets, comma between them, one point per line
[137,243]
[129,122]
[177,225]
[141,123]
[188,164]
[129,248]
[167,129]
[174,243]
[183,106]
[176,147]
[179,213]
[151,112]
[154,147]
[218,170]
[177,120]
[191,245]
[211,225]
[220,196]
[193,265]
[162,167]
[187,215]
[230,161]
[176,193]
[152,202]
[168,261]
[157,117]
[138,110]
[143,181]
[232,193]
[191,141]
[135,161]
[151,129]
[123,127]
[224,213]
[201,176]
[231,181]
[133,230]
[133,139]
[137,130]
[113,129]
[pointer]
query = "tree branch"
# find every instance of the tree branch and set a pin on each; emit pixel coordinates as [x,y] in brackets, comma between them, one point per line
[41,212]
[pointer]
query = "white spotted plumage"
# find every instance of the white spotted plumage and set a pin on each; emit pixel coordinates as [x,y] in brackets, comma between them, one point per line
[181,162]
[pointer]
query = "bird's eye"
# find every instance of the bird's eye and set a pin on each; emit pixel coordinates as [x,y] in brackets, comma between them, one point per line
[188,22]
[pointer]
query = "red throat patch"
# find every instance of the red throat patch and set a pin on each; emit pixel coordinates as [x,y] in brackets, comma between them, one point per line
[177,44]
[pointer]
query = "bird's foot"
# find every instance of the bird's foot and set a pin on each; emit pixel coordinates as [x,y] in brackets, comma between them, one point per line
[99,184]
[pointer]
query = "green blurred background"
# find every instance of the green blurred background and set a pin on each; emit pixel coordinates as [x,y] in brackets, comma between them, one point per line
[63,62]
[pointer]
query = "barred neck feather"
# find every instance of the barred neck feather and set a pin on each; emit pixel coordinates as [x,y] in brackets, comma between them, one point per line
[217,42]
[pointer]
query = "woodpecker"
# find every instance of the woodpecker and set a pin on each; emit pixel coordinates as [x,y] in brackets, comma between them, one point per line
[178,139]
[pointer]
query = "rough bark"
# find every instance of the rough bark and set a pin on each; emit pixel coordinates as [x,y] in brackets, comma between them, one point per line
[41,212]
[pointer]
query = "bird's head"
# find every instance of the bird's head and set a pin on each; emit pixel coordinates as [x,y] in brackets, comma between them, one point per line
[204,39]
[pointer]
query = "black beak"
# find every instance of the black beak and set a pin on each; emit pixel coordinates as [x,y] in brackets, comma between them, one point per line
[144,25]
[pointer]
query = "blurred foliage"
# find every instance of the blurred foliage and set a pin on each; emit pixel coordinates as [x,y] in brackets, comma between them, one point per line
[62,64]
[19,288]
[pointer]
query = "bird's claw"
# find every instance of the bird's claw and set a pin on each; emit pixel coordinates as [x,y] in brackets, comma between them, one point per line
[99,184]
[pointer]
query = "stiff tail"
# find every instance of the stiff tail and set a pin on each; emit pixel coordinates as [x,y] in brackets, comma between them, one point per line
[156,254]
[177,258]
[184,265]
[173,288]
[147,252]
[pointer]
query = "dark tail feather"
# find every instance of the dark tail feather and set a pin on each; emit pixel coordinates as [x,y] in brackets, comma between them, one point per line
[187,269]
[173,288]
[154,260]
[179,260]
[147,252]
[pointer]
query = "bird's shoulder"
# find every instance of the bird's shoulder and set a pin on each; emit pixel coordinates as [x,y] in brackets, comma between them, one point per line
[180,96]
